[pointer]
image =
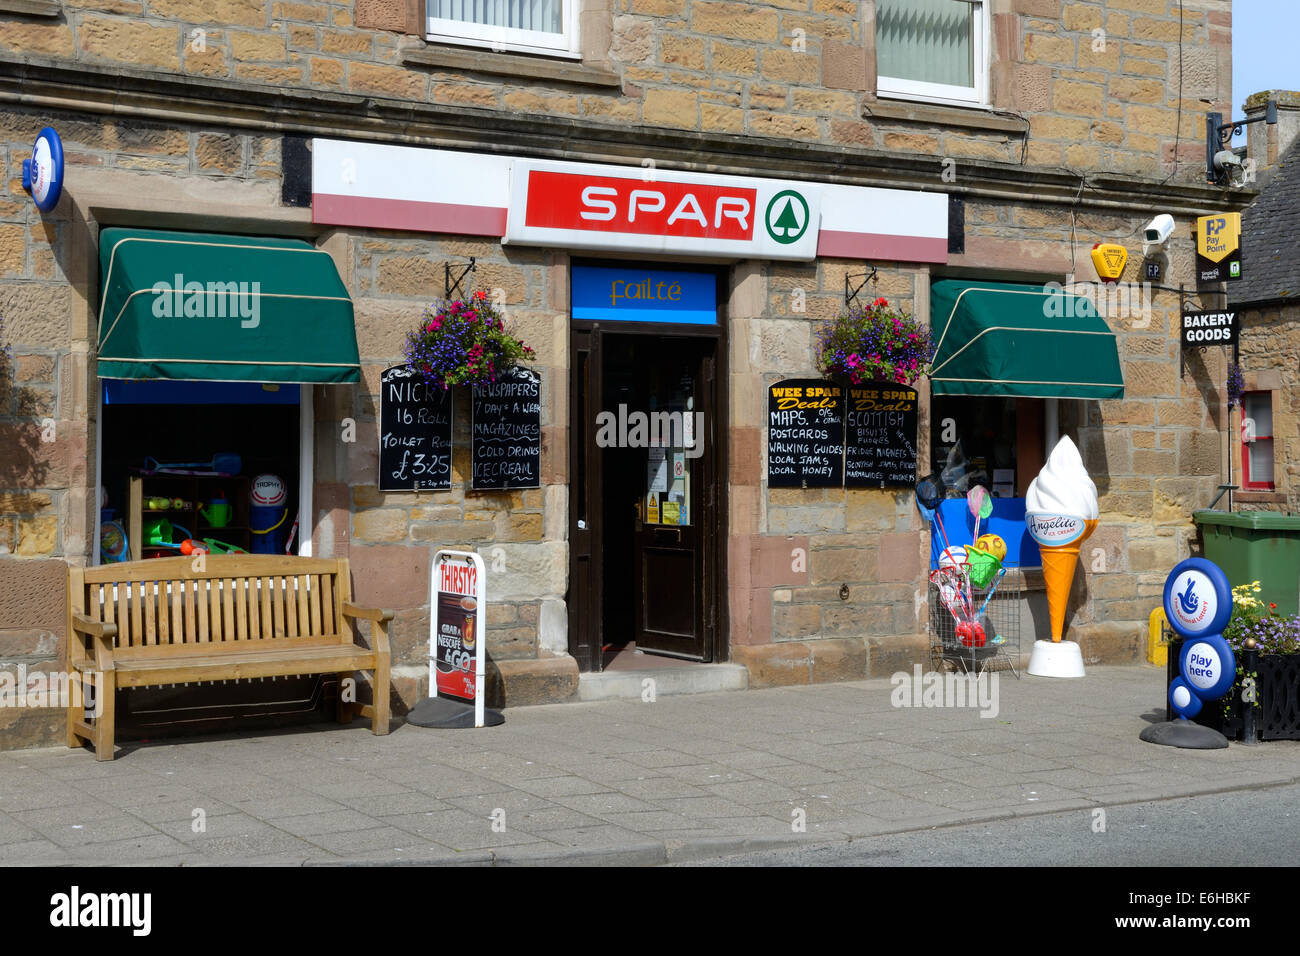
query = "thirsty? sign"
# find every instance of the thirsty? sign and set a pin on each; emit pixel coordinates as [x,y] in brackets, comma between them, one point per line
[456,638]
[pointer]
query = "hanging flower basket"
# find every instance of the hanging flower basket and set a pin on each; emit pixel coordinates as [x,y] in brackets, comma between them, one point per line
[875,344]
[463,342]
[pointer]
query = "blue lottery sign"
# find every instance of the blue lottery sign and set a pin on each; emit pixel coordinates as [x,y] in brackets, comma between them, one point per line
[1198,598]
[43,173]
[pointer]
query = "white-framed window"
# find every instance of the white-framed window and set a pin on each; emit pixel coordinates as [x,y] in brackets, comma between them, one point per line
[525,26]
[1257,441]
[933,50]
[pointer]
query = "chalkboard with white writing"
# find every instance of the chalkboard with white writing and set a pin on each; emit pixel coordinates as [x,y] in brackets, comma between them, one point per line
[805,434]
[880,436]
[506,432]
[414,432]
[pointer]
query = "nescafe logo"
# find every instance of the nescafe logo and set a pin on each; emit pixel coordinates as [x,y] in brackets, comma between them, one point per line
[267,490]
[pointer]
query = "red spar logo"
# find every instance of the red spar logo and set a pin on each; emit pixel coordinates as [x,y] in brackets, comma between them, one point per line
[611,204]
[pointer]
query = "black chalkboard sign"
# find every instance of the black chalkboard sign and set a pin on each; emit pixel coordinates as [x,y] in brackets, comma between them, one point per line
[880,436]
[506,432]
[414,432]
[805,434]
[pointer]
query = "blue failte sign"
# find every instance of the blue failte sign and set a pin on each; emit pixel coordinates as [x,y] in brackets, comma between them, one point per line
[43,173]
[632,294]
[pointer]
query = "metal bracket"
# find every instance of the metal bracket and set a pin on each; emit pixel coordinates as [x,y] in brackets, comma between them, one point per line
[850,292]
[456,284]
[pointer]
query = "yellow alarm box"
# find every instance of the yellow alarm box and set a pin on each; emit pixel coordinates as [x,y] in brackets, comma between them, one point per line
[1109,259]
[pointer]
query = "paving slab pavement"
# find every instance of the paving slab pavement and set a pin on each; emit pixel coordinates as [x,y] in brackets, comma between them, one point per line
[617,782]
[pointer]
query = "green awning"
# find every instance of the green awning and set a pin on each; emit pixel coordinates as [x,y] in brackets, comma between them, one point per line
[203,307]
[996,338]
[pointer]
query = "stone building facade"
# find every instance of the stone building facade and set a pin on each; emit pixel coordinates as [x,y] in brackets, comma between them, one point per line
[201,117]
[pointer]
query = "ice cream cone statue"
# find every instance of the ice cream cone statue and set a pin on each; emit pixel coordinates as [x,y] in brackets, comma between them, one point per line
[1060,513]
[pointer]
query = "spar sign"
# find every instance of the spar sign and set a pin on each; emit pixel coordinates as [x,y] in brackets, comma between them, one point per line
[587,206]
[456,658]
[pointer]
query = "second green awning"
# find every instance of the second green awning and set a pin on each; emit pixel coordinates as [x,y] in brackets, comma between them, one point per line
[204,307]
[997,338]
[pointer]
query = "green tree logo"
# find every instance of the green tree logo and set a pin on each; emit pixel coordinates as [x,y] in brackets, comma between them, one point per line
[787,217]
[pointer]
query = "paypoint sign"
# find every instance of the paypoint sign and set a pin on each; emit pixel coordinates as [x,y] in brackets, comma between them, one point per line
[1218,247]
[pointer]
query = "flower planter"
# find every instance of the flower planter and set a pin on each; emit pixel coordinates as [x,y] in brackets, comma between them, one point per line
[1277,713]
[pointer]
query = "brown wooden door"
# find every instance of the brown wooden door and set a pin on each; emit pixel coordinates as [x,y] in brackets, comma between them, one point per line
[586,599]
[676,503]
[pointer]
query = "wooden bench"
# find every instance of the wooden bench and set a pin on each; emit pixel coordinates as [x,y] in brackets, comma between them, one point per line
[160,621]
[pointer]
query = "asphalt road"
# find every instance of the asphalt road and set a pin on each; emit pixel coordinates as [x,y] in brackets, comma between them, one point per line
[1244,828]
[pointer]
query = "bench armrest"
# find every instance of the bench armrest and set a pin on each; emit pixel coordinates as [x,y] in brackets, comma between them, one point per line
[367,613]
[102,634]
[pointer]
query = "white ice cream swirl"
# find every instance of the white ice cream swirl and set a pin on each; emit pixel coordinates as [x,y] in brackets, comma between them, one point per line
[1063,486]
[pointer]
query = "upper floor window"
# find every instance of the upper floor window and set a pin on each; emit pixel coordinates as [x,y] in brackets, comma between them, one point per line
[933,50]
[526,26]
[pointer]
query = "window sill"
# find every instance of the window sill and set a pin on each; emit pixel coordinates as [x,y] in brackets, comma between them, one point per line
[510,64]
[32,8]
[932,114]
[1259,497]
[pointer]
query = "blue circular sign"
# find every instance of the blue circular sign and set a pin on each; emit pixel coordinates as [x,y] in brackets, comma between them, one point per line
[43,173]
[1198,598]
[1185,703]
[1208,666]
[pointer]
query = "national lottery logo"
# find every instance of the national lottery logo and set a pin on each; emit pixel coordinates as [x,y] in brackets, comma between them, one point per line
[1193,600]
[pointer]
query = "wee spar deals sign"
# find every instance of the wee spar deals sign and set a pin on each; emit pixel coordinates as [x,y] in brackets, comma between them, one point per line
[456,637]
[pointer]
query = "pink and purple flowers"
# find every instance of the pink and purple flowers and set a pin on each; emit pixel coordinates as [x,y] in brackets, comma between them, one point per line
[463,342]
[876,343]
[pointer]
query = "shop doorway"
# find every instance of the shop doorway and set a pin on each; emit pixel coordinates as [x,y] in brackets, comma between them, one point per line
[646,496]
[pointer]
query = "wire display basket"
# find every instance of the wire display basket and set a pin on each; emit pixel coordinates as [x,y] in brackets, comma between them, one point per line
[1000,621]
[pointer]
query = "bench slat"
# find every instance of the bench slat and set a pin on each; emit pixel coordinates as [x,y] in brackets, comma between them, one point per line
[136,629]
[182,568]
[251,593]
[329,615]
[201,602]
[241,609]
[315,603]
[164,618]
[267,627]
[302,660]
[150,612]
[227,610]
[178,619]
[221,650]
[304,617]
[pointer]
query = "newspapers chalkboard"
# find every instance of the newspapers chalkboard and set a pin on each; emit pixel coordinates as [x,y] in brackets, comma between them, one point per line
[805,434]
[880,436]
[506,432]
[414,432]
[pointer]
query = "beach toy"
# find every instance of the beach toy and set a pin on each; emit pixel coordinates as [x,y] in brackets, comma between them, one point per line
[981,506]
[981,566]
[161,533]
[267,514]
[994,545]
[218,511]
[112,542]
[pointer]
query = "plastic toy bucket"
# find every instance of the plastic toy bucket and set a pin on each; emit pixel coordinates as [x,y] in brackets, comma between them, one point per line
[982,566]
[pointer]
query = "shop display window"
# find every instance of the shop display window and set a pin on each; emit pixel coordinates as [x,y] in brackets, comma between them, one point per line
[181,461]
[526,26]
[932,50]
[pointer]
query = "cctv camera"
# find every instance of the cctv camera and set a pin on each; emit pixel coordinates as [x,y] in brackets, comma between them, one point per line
[1225,158]
[1160,229]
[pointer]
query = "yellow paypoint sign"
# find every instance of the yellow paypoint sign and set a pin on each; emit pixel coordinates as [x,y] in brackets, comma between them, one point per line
[1218,247]
[1109,260]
